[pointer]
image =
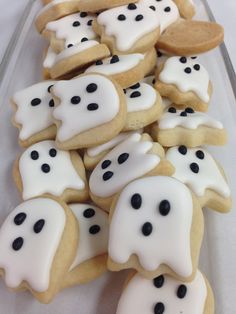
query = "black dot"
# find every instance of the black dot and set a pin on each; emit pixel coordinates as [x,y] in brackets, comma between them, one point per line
[45,168]
[35,102]
[136,201]
[164,207]
[34,155]
[75,100]
[183,114]
[183,59]
[159,54]
[196,67]
[38,226]
[124,90]
[182,150]
[91,88]
[51,103]
[107,175]
[194,57]
[122,158]
[182,291]
[106,164]
[147,229]
[49,88]
[89,212]
[83,14]
[99,62]
[53,152]
[172,110]
[159,281]
[152,7]
[135,94]
[84,39]
[194,167]
[114,59]
[187,70]
[19,219]
[92,107]
[90,22]
[159,308]
[153,81]
[70,45]
[200,154]
[139,17]
[135,86]
[132,6]
[189,110]
[76,24]
[167,9]
[121,17]
[94,229]
[17,244]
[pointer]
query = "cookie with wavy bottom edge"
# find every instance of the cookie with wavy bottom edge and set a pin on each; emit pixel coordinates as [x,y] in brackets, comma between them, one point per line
[126,69]
[131,28]
[162,229]
[73,59]
[165,294]
[203,175]
[135,157]
[54,10]
[91,257]
[43,169]
[33,108]
[144,106]
[86,108]
[34,250]
[188,127]
[100,5]
[185,82]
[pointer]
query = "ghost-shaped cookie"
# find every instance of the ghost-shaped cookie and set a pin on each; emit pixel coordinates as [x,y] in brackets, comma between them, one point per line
[33,113]
[197,168]
[162,228]
[166,295]
[45,169]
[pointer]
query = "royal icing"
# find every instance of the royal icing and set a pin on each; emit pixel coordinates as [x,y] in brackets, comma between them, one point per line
[29,239]
[116,64]
[128,24]
[86,102]
[187,118]
[156,218]
[127,161]
[34,109]
[188,75]
[93,232]
[196,168]
[163,294]
[45,169]
[73,28]
[140,96]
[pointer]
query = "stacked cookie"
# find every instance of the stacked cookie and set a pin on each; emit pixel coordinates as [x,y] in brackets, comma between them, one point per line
[114,175]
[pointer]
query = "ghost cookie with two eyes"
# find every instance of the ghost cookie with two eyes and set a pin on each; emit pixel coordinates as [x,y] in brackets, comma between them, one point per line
[162,229]
[188,127]
[43,169]
[166,295]
[38,243]
[135,157]
[203,175]
[101,5]
[90,110]
[185,82]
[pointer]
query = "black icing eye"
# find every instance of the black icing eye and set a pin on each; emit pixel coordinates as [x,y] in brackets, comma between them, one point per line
[164,207]
[132,6]
[70,45]
[182,291]
[76,24]
[152,7]
[51,103]
[136,201]
[200,154]
[194,167]
[49,88]
[135,86]
[147,229]
[135,94]
[189,110]
[106,164]
[183,114]
[159,281]
[83,14]
[107,175]
[90,22]
[122,158]
[38,226]
[187,70]
[159,54]
[99,62]
[17,244]
[53,152]
[94,229]
[153,81]
[182,150]
[84,39]
[91,88]
[124,90]
[121,17]
[35,102]
[92,107]
[172,110]
[159,308]
[194,57]
[34,155]
[139,17]
[196,67]
[89,213]
[183,59]
[114,59]
[167,9]
[75,100]
[45,168]
[19,219]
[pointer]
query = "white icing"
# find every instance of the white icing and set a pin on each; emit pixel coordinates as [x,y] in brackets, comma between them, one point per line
[128,31]
[196,81]
[90,245]
[64,28]
[33,119]
[62,174]
[32,263]
[126,63]
[50,58]
[169,242]
[191,121]
[145,101]
[139,163]
[76,119]
[208,177]
[141,296]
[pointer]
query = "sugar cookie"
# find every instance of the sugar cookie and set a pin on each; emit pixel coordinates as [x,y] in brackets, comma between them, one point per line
[99,5]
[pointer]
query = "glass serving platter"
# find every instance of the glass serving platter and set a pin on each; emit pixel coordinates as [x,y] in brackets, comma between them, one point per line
[22,67]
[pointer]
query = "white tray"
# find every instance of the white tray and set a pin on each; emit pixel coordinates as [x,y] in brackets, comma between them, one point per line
[20,68]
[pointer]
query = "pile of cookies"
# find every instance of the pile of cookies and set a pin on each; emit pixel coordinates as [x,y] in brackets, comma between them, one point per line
[114,174]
